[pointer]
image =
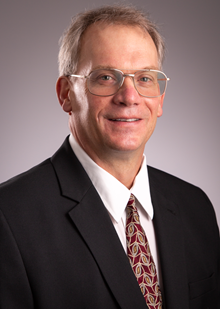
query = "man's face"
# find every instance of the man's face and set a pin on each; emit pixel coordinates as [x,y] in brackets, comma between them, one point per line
[96,121]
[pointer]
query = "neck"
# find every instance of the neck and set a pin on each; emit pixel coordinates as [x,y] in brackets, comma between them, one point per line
[123,165]
[123,169]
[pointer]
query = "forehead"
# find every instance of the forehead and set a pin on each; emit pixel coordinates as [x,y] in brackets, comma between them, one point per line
[119,46]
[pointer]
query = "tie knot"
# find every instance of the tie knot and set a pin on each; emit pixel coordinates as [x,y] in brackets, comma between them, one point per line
[131,208]
[131,201]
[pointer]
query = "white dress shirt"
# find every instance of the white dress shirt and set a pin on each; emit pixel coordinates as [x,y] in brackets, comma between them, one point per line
[115,197]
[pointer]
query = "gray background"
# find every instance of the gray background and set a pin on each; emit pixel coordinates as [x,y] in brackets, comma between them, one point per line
[32,124]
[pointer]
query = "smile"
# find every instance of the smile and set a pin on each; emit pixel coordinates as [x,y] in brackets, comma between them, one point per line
[125,120]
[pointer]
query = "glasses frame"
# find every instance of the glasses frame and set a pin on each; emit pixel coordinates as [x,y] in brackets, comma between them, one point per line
[122,81]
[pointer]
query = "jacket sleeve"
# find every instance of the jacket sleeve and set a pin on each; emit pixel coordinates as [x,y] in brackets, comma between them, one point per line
[15,291]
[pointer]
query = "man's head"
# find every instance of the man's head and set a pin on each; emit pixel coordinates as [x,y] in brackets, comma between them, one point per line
[122,15]
[110,122]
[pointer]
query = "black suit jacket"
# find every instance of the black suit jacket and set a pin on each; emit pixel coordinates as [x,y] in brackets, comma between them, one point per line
[59,249]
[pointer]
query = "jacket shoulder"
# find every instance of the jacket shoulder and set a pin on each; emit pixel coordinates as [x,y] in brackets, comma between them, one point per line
[25,176]
[170,183]
[26,186]
[179,191]
[191,200]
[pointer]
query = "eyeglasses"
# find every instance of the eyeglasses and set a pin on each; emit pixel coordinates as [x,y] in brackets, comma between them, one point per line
[106,82]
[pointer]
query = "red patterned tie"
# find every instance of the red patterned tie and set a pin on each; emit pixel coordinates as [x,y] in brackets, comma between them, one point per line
[138,252]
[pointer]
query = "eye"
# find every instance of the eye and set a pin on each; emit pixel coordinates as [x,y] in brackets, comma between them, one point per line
[105,77]
[145,79]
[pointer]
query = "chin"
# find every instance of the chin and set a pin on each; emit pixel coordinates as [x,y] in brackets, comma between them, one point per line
[126,146]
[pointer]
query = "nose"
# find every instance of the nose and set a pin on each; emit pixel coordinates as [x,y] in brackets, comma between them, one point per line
[127,94]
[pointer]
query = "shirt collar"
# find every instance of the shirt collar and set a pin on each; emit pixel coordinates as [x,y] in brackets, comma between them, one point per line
[113,193]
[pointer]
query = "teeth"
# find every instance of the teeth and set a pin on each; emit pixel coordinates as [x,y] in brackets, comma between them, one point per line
[127,120]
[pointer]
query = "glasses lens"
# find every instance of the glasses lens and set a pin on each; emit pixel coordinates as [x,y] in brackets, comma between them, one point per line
[104,82]
[150,83]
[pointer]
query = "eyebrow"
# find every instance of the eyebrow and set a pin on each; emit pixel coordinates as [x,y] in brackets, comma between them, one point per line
[110,68]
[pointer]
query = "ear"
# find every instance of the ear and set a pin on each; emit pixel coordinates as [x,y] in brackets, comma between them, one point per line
[160,107]
[63,93]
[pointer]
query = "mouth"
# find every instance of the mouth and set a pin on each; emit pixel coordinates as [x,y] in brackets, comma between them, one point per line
[125,120]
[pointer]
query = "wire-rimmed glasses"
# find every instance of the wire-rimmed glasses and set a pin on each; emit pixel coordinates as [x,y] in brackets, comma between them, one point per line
[106,82]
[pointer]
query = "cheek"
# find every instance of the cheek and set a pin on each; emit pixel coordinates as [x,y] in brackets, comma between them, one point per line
[86,107]
[97,106]
[78,97]
[160,106]
[155,107]
[85,110]
[151,106]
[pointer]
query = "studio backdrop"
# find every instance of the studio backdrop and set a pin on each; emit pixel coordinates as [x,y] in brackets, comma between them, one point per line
[186,141]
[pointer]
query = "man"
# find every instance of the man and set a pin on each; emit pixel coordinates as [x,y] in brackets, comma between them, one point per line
[67,225]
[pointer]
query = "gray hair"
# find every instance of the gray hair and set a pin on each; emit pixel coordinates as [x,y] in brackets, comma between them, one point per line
[70,42]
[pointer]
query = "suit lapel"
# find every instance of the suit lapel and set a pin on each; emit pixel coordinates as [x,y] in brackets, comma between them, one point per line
[170,242]
[94,224]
